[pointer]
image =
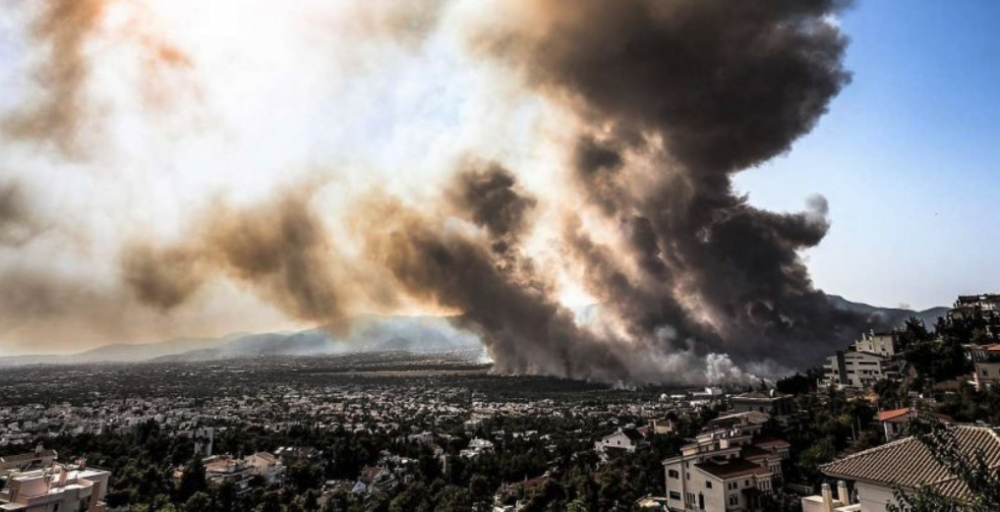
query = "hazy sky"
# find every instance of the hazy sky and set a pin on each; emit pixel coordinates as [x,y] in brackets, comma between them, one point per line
[170,123]
[908,157]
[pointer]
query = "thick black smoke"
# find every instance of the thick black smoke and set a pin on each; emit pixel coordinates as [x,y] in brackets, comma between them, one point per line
[681,94]
[500,295]
[487,194]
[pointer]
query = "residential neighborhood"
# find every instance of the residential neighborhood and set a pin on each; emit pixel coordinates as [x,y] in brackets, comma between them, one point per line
[846,436]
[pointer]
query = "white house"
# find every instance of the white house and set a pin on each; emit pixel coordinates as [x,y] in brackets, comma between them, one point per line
[627,440]
[906,463]
[726,468]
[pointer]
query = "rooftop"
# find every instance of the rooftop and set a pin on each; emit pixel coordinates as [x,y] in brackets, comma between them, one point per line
[910,464]
[732,468]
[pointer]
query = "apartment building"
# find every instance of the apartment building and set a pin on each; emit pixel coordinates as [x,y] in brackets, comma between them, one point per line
[975,306]
[857,369]
[984,309]
[37,459]
[57,488]
[986,363]
[771,402]
[885,344]
[727,467]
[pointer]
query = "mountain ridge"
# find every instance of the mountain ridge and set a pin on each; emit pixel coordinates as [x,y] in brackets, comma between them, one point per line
[368,333]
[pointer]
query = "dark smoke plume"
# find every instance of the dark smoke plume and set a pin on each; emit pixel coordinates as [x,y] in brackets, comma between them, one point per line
[280,250]
[491,283]
[694,91]
[487,194]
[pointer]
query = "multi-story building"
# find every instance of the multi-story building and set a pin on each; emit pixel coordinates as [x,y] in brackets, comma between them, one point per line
[56,488]
[37,459]
[727,467]
[986,363]
[223,468]
[987,374]
[984,309]
[885,344]
[857,369]
[266,466]
[975,306]
[772,403]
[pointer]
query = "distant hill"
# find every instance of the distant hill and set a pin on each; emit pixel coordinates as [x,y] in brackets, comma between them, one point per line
[143,352]
[892,316]
[368,333]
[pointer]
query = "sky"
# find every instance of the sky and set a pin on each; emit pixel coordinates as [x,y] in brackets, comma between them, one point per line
[190,116]
[907,157]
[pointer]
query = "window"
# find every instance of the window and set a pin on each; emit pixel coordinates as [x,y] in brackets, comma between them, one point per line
[674,495]
[708,484]
[734,499]
[673,474]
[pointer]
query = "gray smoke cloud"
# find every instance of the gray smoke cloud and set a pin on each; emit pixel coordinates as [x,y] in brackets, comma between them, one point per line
[690,93]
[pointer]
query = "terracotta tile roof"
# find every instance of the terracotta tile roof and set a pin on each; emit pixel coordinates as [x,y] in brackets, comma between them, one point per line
[732,468]
[893,414]
[905,415]
[909,464]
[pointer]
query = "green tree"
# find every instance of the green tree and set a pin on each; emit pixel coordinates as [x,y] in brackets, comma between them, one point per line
[193,479]
[198,502]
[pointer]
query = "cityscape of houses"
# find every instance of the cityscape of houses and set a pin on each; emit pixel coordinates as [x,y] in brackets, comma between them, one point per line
[713,449]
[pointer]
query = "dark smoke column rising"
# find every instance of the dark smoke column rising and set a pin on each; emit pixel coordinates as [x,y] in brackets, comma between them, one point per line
[683,94]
